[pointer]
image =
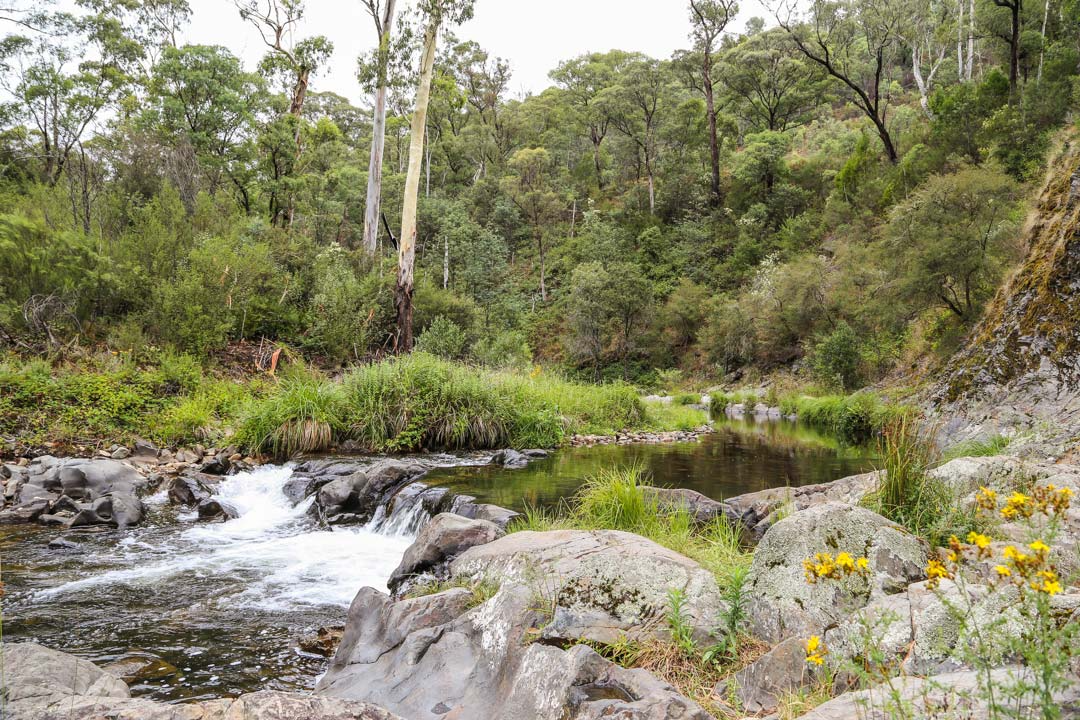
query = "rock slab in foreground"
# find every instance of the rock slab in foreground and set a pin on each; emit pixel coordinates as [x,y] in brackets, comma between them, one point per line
[437,658]
[44,684]
[74,492]
[602,585]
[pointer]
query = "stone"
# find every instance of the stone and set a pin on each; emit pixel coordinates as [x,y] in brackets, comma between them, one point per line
[82,491]
[120,453]
[782,670]
[465,506]
[63,544]
[445,537]
[702,509]
[356,497]
[186,490]
[323,642]
[535,453]
[952,695]
[44,684]
[298,488]
[510,459]
[437,658]
[783,604]
[213,510]
[601,585]
[140,667]
[756,512]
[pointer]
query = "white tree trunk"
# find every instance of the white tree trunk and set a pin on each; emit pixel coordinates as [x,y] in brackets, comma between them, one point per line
[960,41]
[407,241]
[373,204]
[971,40]
[446,263]
[1042,49]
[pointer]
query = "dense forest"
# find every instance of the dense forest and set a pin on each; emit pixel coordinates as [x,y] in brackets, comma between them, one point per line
[838,188]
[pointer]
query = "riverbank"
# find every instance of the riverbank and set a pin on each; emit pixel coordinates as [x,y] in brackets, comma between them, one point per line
[398,405]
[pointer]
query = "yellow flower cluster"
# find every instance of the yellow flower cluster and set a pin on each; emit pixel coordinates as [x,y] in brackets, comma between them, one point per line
[936,571]
[815,650]
[1030,570]
[1046,499]
[824,566]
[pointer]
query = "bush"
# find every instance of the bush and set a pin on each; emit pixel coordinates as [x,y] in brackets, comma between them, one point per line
[836,358]
[442,338]
[508,350]
[303,415]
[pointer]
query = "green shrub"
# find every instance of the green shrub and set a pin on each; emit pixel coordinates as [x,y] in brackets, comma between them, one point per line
[443,338]
[508,350]
[836,358]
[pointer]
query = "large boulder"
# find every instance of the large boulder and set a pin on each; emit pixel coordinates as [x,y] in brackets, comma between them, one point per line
[44,684]
[701,508]
[441,540]
[440,657]
[599,585]
[783,670]
[76,491]
[782,604]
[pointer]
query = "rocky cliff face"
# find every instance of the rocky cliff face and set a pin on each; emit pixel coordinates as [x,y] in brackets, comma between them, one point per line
[1022,365]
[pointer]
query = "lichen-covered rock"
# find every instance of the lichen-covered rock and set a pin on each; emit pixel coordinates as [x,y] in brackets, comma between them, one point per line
[75,491]
[782,670]
[783,604]
[700,508]
[756,512]
[951,695]
[601,585]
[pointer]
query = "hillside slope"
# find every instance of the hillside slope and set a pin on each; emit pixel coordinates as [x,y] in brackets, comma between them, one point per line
[1021,368]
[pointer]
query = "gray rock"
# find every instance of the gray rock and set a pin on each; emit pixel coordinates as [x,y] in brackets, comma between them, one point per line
[510,459]
[601,585]
[951,695]
[783,604]
[434,658]
[465,506]
[44,684]
[441,540]
[187,490]
[298,488]
[356,497]
[761,684]
[701,508]
[121,453]
[98,491]
[214,510]
[63,544]
[758,511]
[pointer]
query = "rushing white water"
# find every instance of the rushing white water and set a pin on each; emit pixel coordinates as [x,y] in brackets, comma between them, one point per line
[271,557]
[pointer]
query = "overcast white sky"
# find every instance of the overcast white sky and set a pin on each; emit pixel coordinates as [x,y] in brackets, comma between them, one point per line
[534,35]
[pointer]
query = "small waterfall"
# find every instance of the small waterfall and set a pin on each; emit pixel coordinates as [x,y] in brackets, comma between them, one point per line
[407,513]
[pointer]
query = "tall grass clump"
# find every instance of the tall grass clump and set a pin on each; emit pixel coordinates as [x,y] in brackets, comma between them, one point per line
[908,494]
[987,447]
[420,401]
[303,414]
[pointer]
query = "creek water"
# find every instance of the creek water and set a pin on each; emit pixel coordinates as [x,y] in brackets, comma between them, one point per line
[219,607]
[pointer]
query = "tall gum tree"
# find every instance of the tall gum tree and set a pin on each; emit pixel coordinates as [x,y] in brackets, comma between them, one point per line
[857,42]
[382,14]
[709,19]
[438,14]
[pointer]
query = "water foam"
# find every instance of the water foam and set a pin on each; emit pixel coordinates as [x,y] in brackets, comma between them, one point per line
[271,557]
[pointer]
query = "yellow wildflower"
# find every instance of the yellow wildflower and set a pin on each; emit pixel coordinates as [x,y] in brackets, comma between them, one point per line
[845,562]
[863,564]
[936,572]
[1009,552]
[1002,571]
[1040,547]
[815,650]
[986,499]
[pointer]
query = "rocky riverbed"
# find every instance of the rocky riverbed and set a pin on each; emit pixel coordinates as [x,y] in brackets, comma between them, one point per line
[477,623]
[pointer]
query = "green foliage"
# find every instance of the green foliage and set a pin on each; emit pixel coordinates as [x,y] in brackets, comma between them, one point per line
[836,358]
[854,418]
[442,338]
[988,447]
[302,415]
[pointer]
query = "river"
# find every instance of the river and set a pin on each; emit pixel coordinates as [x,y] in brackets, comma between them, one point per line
[219,607]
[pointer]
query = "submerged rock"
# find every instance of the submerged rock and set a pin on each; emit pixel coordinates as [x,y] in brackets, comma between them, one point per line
[354,498]
[510,459]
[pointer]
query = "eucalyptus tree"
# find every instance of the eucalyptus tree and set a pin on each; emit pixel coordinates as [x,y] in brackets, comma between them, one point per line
[635,106]
[438,15]
[378,69]
[857,42]
[709,19]
[531,184]
[773,87]
[928,33]
[584,78]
